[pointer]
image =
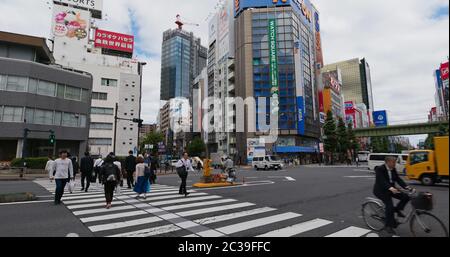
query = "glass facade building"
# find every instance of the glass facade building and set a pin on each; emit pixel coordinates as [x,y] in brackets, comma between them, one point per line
[182,59]
[277,53]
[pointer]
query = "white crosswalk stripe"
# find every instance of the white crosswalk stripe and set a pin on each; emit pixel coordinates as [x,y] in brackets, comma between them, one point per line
[351,232]
[298,229]
[165,212]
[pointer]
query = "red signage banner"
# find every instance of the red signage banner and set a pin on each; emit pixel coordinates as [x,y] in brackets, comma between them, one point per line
[114,41]
[444,71]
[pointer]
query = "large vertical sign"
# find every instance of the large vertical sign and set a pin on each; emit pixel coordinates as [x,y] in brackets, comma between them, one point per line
[301,112]
[273,57]
[319,52]
[273,60]
[445,71]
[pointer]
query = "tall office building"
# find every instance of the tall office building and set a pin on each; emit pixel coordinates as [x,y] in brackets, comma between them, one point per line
[356,81]
[108,56]
[278,52]
[183,58]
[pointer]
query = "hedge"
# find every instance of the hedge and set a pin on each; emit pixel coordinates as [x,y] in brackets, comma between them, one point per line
[32,163]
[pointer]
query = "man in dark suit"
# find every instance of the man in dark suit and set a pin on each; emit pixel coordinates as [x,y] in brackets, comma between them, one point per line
[86,168]
[130,168]
[386,179]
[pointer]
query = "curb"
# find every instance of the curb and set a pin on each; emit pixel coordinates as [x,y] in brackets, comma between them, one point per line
[18,197]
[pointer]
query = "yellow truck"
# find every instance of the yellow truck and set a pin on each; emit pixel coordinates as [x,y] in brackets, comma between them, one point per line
[429,166]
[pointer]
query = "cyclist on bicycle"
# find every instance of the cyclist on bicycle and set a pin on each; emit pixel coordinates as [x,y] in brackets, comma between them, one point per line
[386,179]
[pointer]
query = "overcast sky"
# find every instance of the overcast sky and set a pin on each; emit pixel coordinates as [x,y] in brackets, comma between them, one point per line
[403,40]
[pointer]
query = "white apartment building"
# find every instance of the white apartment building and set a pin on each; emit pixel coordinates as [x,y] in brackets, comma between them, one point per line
[221,80]
[117,76]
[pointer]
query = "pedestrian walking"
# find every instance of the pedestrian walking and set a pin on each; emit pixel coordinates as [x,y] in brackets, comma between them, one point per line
[76,167]
[111,176]
[62,174]
[154,166]
[142,182]
[130,169]
[87,170]
[49,167]
[184,166]
[97,168]
[119,165]
[357,162]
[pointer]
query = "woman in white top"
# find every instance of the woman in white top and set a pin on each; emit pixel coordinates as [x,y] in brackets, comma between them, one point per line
[142,183]
[184,166]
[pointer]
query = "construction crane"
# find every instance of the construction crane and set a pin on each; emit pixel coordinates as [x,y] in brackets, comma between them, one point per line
[182,23]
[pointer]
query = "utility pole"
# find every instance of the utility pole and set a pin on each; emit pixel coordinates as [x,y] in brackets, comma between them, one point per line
[115,127]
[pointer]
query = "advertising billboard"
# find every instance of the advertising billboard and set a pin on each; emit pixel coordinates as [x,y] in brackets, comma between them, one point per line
[380,118]
[319,51]
[88,4]
[114,41]
[331,80]
[70,23]
[444,71]
[301,115]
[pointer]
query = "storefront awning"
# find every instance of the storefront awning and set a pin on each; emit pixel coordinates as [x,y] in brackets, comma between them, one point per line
[295,149]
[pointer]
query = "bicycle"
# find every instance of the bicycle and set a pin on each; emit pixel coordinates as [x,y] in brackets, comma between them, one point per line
[422,223]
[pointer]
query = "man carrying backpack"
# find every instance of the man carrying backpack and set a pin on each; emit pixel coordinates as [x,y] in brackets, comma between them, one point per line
[111,177]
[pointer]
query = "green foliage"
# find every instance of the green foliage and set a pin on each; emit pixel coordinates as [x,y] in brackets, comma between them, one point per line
[196,148]
[154,139]
[380,144]
[354,145]
[342,138]
[329,130]
[32,163]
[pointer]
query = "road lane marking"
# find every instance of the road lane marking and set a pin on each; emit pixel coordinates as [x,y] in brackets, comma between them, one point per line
[124,224]
[351,232]
[29,202]
[103,210]
[214,209]
[232,216]
[150,231]
[113,216]
[177,207]
[298,229]
[235,228]
[186,200]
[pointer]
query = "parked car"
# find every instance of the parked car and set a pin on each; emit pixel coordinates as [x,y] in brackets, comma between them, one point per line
[267,163]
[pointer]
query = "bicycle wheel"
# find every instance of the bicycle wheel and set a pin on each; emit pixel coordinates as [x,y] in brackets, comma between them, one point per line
[425,224]
[374,216]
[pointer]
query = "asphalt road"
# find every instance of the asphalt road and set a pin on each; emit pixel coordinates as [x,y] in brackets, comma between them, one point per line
[334,194]
[304,202]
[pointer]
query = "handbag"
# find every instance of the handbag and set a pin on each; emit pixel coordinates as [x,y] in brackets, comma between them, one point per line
[147,172]
[71,186]
[118,190]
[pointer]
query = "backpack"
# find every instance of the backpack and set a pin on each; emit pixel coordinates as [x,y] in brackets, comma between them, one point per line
[110,172]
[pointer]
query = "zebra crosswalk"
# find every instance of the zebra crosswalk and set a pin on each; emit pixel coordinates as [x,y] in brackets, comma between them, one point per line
[164,213]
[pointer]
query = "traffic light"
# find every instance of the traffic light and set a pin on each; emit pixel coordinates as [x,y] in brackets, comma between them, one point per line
[52,138]
[139,122]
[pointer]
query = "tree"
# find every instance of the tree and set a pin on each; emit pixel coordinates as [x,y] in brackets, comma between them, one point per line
[153,138]
[330,137]
[380,144]
[196,148]
[343,144]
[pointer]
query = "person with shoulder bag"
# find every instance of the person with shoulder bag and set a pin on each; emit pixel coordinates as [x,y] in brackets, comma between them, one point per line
[111,177]
[184,166]
[62,174]
[142,179]
[154,166]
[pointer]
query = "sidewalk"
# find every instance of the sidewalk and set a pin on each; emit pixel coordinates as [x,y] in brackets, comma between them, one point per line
[335,166]
[38,218]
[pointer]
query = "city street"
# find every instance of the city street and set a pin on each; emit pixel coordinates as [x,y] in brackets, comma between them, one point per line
[303,202]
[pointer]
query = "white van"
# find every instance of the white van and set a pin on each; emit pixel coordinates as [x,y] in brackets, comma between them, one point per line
[378,159]
[363,156]
[268,162]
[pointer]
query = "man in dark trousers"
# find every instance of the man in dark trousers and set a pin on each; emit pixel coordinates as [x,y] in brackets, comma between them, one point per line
[386,179]
[86,168]
[130,168]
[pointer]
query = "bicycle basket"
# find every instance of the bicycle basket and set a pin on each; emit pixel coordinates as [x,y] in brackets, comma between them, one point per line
[424,201]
